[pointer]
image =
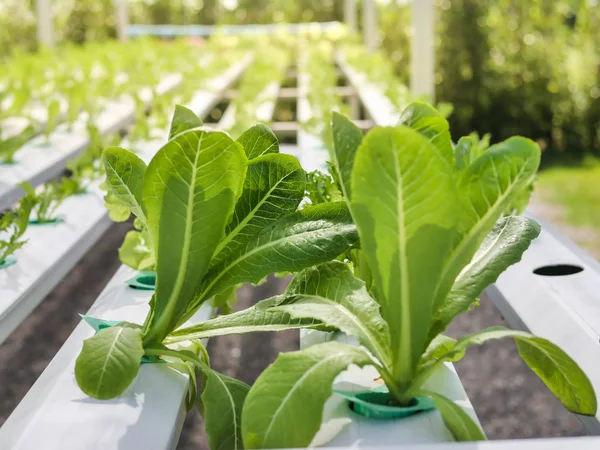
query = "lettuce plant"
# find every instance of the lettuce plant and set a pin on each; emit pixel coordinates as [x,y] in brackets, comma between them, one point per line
[13,225]
[53,117]
[86,167]
[10,145]
[217,213]
[432,235]
[49,197]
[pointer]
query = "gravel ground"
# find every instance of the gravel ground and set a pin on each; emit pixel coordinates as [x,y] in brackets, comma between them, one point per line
[509,399]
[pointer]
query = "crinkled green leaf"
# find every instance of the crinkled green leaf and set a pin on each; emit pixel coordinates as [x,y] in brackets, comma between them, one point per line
[190,189]
[23,211]
[404,203]
[502,247]
[50,196]
[259,140]
[109,361]
[136,252]
[274,187]
[313,235]
[14,223]
[332,294]
[284,408]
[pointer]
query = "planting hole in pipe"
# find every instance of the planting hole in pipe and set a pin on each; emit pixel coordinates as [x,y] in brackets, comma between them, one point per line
[378,404]
[50,223]
[144,280]
[558,270]
[9,261]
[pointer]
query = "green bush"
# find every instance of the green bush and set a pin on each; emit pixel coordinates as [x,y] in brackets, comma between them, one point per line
[513,67]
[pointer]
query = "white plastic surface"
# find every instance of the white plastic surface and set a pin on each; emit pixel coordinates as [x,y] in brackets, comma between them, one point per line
[378,106]
[353,430]
[576,443]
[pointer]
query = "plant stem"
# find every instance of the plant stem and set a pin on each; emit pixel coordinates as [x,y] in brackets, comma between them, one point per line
[420,379]
[400,395]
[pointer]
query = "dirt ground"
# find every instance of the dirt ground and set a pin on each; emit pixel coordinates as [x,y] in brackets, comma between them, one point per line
[509,399]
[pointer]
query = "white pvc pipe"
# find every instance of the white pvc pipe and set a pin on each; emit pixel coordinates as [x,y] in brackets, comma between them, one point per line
[422,49]
[370,24]
[45,23]
[350,14]
[122,19]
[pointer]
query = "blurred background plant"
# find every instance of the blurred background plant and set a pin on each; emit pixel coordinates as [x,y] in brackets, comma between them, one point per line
[507,66]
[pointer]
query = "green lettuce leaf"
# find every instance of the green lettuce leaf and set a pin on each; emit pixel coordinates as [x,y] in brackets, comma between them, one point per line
[10,146]
[313,235]
[284,408]
[109,361]
[258,140]
[332,294]
[404,203]
[184,119]
[460,424]
[136,252]
[488,186]
[501,248]
[555,368]
[125,182]
[190,189]
[346,140]
[430,123]
[273,188]
[259,317]
[222,401]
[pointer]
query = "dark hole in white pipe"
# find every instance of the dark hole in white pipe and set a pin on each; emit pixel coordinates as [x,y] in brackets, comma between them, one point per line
[558,270]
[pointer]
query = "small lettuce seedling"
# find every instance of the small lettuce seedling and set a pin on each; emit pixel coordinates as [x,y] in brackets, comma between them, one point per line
[216,213]
[433,236]
[49,197]
[52,118]
[12,227]
[10,146]
[86,167]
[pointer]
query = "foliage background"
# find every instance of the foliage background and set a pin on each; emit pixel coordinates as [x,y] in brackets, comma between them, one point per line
[508,66]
